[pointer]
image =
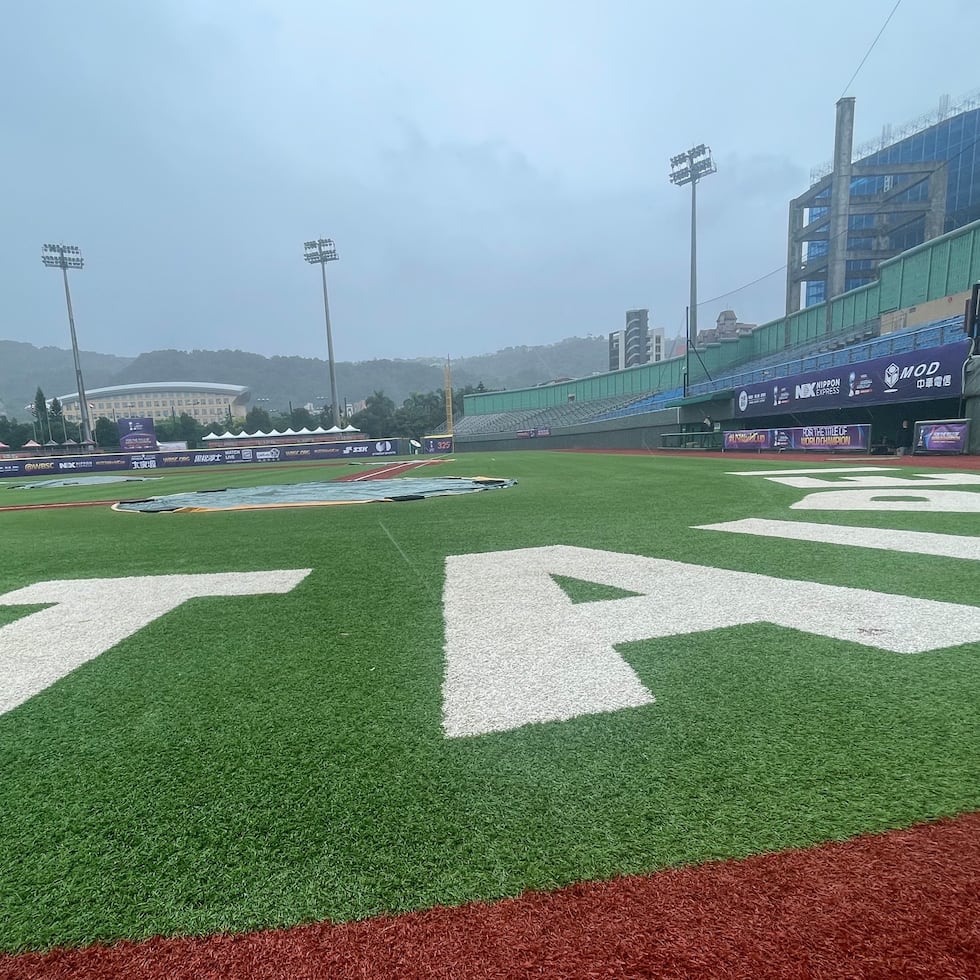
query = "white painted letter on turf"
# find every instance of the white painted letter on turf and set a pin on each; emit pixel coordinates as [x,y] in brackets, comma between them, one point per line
[89,616]
[519,651]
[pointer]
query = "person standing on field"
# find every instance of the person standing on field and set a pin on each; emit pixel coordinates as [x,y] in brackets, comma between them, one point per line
[903,441]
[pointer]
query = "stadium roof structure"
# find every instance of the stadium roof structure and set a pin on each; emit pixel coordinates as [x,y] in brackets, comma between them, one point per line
[235,391]
[318,431]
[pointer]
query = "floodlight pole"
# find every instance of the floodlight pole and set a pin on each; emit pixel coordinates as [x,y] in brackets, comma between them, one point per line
[320,252]
[64,257]
[688,168]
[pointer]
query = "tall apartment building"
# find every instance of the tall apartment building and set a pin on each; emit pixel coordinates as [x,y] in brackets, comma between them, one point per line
[636,343]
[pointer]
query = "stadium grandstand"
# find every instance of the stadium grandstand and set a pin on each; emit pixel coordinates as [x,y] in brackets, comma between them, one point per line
[917,304]
[206,401]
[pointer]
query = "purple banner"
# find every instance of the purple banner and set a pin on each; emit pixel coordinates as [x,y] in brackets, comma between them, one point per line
[532,433]
[825,438]
[806,438]
[54,466]
[935,372]
[941,436]
[757,439]
[137,436]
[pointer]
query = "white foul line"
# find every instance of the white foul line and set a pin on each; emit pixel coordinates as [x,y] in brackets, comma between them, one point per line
[911,542]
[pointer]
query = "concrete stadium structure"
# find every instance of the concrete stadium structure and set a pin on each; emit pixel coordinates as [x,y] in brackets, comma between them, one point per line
[929,284]
[913,186]
[206,401]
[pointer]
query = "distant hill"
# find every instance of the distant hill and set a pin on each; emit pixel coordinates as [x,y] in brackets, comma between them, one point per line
[277,381]
[23,367]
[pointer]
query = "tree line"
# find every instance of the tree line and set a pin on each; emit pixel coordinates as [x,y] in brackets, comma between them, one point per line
[420,414]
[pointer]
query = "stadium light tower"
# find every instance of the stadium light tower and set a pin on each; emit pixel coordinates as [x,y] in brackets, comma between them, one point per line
[689,168]
[320,253]
[67,257]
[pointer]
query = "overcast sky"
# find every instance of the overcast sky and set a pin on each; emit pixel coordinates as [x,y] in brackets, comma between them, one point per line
[494,173]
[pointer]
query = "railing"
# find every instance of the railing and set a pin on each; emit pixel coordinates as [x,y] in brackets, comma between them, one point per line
[933,335]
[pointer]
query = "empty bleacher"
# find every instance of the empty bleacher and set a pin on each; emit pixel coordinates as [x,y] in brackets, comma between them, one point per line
[861,344]
[934,334]
[571,413]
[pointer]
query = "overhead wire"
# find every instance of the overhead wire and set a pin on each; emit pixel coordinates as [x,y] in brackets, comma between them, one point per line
[857,71]
[867,53]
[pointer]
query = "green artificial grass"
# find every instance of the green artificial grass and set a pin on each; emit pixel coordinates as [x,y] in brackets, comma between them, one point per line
[257,761]
[579,591]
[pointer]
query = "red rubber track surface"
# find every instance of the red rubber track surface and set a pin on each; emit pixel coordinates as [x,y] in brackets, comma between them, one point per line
[905,904]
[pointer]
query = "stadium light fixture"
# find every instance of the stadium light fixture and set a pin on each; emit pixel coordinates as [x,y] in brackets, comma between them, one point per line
[67,257]
[688,168]
[320,252]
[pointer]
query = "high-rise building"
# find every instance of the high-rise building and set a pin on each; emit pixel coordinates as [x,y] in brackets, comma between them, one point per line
[637,343]
[904,189]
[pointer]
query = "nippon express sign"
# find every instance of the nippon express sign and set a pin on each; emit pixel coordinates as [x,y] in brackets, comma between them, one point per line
[935,372]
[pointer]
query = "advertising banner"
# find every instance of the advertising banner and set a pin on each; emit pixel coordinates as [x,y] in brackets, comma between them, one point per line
[949,436]
[754,439]
[934,372]
[438,444]
[824,438]
[137,436]
[805,438]
[533,433]
[53,466]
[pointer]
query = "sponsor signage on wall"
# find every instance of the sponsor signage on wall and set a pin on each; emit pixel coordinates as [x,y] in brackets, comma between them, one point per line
[137,436]
[437,444]
[804,438]
[935,372]
[200,457]
[757,439]
[949,436]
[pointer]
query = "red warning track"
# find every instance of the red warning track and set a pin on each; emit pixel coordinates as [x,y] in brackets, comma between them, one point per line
[905,904]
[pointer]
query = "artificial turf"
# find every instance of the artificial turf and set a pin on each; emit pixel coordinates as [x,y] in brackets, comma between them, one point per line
[260,761]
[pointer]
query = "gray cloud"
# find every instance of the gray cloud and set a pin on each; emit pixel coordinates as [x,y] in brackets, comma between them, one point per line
[493,174]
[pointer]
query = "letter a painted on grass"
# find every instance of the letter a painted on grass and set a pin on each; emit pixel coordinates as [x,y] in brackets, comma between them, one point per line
[89,616]
[519,651]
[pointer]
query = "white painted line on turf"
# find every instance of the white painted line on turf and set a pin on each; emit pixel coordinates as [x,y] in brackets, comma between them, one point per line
[910,542]
[518,651]
[909,500]
[90,616]
[822,469]
[922,481]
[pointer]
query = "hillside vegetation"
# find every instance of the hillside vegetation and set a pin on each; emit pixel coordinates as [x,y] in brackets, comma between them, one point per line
[279,381]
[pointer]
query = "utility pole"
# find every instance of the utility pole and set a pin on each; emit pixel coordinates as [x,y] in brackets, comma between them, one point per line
[320,252]
[67,257]
[688,168]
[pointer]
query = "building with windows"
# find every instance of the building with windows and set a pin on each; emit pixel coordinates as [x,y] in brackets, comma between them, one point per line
[203,400]
[727,327]
[905,188]
[637,343]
